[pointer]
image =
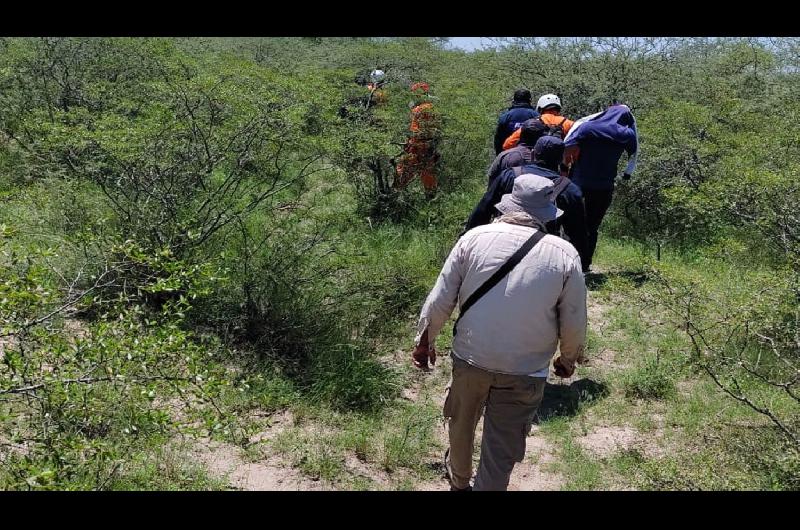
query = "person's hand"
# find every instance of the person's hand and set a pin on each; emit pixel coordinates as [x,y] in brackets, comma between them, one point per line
[422,354]
[561,369]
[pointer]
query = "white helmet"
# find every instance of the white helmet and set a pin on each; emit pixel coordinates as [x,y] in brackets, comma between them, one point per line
[377,76]
[546,100]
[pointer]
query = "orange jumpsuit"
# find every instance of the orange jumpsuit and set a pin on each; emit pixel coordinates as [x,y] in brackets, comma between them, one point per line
[420,150]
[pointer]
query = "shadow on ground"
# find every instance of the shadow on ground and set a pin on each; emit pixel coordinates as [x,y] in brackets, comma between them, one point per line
[564,400]
[596,280]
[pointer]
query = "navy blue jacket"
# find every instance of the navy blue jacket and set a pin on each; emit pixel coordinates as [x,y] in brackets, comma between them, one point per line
[596,167]
[511,120]
[601,141]
[570,201]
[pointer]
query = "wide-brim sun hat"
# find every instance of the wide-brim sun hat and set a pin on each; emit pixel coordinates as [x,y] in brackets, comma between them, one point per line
[533,195]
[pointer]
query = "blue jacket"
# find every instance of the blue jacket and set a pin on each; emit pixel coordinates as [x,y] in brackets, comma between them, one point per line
[570,201]
[511,120]
[602,141]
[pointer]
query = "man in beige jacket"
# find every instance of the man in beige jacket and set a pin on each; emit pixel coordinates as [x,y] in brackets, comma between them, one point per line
[504,342]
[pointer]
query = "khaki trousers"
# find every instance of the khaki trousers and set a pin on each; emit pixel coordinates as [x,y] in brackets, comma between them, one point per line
[508,403]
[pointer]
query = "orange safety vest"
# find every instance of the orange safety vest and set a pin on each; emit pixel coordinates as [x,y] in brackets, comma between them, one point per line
[549,118]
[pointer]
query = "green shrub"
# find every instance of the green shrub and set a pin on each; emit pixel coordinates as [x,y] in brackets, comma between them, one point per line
[652,379]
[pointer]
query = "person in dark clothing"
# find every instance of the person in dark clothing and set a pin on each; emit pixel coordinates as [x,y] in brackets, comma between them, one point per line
[547,155]
[520,155]
[512,119]
[593,148]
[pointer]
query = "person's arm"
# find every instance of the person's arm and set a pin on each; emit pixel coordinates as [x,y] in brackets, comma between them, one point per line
[498,138]
[512,140]
[499,135]
[494,169]
[571,319]
[571,154]
[633,152]
[438,307]
[482,214]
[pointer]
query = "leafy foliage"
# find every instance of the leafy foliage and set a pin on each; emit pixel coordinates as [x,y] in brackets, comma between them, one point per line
[202,226]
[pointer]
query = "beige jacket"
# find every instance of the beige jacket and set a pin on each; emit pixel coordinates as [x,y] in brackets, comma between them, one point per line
[516,326]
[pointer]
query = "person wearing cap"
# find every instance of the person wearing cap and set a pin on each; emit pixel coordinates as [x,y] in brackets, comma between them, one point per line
[547,155]
[520,111]
[593,149]
[420,152]
[501,354]
[549,106]
[520,155]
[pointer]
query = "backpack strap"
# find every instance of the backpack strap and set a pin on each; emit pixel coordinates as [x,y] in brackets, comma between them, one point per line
[517,170]
[559,127]
[560,184]
[527,156]
[499,274]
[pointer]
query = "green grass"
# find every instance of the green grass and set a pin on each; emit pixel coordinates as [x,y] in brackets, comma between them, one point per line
[398,441]
[165,468]
[650,380]
[691,435]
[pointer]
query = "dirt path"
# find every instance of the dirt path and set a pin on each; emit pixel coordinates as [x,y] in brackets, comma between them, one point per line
[272,472]
[534,473]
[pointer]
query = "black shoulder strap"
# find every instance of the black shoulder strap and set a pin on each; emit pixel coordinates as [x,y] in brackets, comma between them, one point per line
[560,184]
[499,274]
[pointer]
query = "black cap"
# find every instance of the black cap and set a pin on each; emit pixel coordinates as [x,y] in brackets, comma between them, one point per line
[522,95]
[549,150]
[532,130]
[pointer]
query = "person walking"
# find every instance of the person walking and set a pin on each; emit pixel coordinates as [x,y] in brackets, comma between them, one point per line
[549,106]
[520,111]
[521,154]
[421,149]
[522,297]
[592,150]
[547,156]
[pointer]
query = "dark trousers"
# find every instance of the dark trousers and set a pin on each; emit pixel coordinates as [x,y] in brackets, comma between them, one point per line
[597,203]
[573,223]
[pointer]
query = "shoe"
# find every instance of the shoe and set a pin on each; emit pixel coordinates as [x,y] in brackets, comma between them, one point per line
[468,488]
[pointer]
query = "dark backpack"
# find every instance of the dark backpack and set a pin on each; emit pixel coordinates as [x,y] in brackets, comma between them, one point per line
[542,129]
[556,130]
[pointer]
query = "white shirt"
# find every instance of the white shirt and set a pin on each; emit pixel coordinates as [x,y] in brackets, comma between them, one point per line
[514,328]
